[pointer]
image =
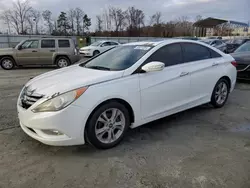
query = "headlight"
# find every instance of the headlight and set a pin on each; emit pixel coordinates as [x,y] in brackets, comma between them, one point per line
[85,50]
[59,102]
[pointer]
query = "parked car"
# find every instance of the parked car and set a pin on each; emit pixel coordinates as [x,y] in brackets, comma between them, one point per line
[188,38]
[214,37]
[97,47]
[219,44]
[127,86]
[242,57]
[232,45]
[45,51]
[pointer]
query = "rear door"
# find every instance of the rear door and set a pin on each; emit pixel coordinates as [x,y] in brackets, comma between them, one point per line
[47,51]
[168,89]
[29,53]
[206,66]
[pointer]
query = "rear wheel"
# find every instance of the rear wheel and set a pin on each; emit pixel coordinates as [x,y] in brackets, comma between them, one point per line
[107,126]
[62,62]
[7,63]
[220,93]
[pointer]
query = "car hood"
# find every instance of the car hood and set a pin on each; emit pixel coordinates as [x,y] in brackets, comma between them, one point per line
[242,57]
[4,50]
[69,78]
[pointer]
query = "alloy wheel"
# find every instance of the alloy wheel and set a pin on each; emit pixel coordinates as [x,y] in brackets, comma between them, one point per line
[7,64]
[110,125]
[62,63]
[221,93]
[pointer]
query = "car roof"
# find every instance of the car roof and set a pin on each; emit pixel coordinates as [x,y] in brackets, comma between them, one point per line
[156,42]
[59,38]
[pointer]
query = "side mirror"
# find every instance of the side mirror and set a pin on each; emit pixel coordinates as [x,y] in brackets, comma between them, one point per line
[19,47]
[153,66]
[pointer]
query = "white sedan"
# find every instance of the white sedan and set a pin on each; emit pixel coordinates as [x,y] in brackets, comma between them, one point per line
[125,87]
[97,47]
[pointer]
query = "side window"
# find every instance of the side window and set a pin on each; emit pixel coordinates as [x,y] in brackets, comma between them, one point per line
[63,43]
[170,55]
[214,54]
[113,43]
[195,52]
[48,44]
[30,44]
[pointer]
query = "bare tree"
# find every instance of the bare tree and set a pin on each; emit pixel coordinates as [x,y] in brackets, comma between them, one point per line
[107,20]
[71,18]
[30,27]
[36,18]
[135,17]
[155,19]
[17,16]
[99,22]
[21,10]
[47,18]
[79,17]
[118,16]
[6,19]
[198,18]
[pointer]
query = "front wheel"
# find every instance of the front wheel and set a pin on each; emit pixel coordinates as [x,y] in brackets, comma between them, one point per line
[96,53]
[220,93]
[107,126]
[7,63]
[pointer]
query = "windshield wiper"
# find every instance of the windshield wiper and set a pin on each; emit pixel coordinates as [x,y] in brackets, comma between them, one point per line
[98,67]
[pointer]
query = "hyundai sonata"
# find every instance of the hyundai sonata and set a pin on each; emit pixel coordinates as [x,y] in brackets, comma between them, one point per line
[125,87]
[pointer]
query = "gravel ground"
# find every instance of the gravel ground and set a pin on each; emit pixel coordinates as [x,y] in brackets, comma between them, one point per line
[201,147]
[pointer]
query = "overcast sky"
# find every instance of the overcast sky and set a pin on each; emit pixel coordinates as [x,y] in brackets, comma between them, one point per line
[238,10]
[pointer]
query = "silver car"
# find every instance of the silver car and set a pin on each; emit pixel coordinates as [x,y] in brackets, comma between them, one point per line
[217,43]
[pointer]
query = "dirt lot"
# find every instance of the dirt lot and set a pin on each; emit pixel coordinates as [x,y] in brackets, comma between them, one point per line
[202,147]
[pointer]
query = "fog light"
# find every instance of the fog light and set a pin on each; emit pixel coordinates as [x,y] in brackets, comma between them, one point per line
[52,132]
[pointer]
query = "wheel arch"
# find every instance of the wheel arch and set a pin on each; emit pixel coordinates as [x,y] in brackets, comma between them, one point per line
[61,55]
[119,100]
[228,80]
[8,56]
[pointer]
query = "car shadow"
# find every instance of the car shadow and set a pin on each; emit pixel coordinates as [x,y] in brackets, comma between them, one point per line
[137,138]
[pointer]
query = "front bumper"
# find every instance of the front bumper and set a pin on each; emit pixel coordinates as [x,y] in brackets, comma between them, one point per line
[69,122]
[86,53]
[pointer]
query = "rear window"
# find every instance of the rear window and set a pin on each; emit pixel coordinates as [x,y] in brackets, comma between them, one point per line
[48,44]
[63,43]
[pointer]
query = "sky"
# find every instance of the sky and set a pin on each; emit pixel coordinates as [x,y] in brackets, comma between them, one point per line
[237,10]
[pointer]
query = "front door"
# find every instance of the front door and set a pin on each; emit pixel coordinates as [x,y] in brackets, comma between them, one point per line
[165,91]
[47,51]
[28,54]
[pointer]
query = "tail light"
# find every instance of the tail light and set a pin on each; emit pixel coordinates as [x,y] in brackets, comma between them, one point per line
[234,63]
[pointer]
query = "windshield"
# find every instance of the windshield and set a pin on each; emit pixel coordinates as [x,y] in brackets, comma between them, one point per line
[119,58]
[96,44]
[244,48]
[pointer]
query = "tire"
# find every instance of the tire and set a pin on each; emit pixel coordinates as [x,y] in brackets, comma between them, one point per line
[7,63]
[62,62]
[96,53]
[220,93]
[109,134]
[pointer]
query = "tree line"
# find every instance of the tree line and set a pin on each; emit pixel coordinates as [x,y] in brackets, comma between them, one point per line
[22,18]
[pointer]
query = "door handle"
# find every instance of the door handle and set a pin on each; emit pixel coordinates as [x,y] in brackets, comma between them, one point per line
[52,50]
[34,51]
[215,64]
[184,74]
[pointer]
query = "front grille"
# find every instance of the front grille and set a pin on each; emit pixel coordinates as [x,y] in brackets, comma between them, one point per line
[241,67]
[28,98]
